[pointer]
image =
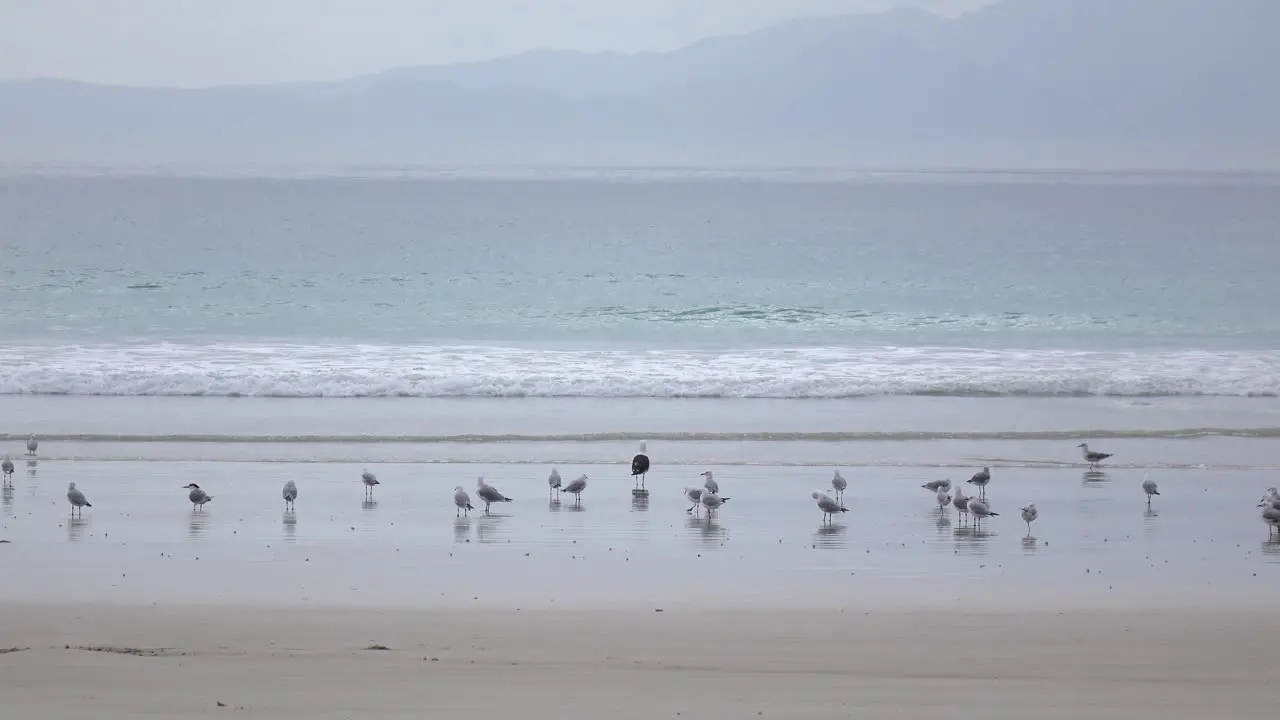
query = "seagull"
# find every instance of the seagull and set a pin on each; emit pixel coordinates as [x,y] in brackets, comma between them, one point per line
[1149,487]
[961,503]
[981,479]
[197,497]
[489,494]
[694,496]
[1270,515]
[979,509]
[77,500]
[711,485]
[839,484]
[1091,457]
[553,482]
[640,465]
[32,444]
[290,493]
[711,501]
[934,486]
[7,466]
[944,499]
[1029,514]
[828,506]
[462,500]
[576,487]
[369,481]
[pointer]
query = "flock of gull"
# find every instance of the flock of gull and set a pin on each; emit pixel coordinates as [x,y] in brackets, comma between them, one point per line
[976,508]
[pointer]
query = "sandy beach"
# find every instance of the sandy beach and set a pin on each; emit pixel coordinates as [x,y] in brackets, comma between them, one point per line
[1108,607]
[102,662]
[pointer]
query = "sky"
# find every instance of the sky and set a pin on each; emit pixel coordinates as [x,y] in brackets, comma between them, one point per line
[192,43]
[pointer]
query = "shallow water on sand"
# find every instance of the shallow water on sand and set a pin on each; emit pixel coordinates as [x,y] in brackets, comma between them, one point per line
[1096,542]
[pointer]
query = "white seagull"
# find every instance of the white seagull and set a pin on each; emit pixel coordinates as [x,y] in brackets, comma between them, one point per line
[711,501]
[839,484]
[979,509]
[462,500]
[77,500]
[1271,515]
[961,503]
[981,479]
[711,485]
[553,482]
[1091,457]
[6,466]
[1149,487]
[694,495]
[1029,514]
[489,494]
[32,444]
[197,496]
[944,499]
[576,487]
[369,481]
[827,505]
[289,493]
[934,486]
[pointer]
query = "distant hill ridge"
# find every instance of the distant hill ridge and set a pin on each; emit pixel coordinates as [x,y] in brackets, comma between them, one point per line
[1061,83]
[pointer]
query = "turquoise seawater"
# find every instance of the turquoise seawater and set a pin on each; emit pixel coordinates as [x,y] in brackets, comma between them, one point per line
[641,285]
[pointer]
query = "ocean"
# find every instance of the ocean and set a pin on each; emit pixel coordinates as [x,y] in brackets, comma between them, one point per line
[434,326]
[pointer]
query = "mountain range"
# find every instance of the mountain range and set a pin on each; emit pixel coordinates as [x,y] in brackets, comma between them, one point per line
[1022,83]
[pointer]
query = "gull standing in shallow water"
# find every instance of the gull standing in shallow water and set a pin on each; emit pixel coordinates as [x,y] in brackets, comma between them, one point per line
[979,509]
[711,485]
[640,467]
[553,482]
[289,493]
[489,494]
[981,479]
[6,466]
[369,481]
[462,500]
[77,500]
[694,496]
[839,484]
[1271,514]
[1029,514]
[944,499]
[197,496]
[32,444]
[827,505]
[1091,457]
[934,486]
[711,501]
[961,503]
[1149,487]
[576,487]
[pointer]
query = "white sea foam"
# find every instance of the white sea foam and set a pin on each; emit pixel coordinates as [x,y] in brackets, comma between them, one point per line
[283,370]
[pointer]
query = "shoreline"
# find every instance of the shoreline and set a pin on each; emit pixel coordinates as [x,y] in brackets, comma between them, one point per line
[184,661]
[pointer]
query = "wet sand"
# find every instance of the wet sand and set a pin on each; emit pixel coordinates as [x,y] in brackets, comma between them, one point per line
[1096,543]
[547,608]
[105,663]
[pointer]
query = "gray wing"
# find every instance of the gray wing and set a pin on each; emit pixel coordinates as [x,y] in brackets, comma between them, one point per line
[491,494]
[576,486]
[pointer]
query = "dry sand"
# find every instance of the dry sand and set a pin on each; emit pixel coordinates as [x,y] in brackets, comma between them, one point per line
[274,663]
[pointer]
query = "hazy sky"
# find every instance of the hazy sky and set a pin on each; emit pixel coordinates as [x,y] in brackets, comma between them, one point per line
[202,42]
